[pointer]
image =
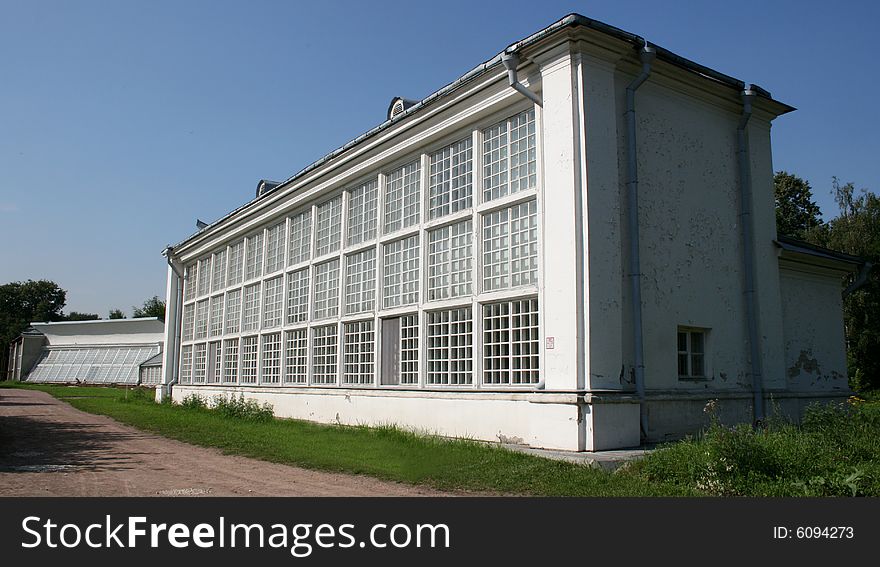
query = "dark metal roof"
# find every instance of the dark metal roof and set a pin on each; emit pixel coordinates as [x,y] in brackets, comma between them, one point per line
[798,246]
[571,20]
[155,360]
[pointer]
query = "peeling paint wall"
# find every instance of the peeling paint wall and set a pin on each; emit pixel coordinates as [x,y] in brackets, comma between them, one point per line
[815,351]
[691,245]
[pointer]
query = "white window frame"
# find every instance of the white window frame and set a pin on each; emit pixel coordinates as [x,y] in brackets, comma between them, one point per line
[276,237]
[359,353]
[450,185]
[299,241]
[443,349]
[401,272]
[273,302]
[270,358]
[360,282]
[402,203]
[511,346]
[325,355]
[503,170]
[450,253]
[363,212]
[328,226]
[325,302]
[691,353]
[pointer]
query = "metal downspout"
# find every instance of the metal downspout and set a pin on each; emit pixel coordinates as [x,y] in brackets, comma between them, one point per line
[647,56]
[511,61]
[177,319]
[745,219]
[861,279]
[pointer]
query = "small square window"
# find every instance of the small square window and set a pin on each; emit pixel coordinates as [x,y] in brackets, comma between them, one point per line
[691,353]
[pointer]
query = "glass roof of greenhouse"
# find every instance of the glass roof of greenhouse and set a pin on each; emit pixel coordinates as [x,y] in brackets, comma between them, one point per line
[92,365]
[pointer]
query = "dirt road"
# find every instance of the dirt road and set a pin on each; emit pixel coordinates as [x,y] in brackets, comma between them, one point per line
[48,448]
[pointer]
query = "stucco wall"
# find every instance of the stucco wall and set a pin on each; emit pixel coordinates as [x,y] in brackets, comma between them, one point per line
[815,350]
[553,421]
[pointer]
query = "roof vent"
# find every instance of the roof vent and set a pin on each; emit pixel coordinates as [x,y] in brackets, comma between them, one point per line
[264,186]
[399,105]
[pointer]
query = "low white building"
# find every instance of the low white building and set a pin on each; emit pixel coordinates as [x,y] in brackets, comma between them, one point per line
[105,352]
[470,266]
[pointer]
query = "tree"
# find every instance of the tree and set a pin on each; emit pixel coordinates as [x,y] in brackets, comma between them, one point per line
[77,316]
[153,307]
[856,231]
[116,314]
[24,302]
[796,212]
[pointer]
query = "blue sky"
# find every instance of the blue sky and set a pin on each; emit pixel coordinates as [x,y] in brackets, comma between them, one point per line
[122,122]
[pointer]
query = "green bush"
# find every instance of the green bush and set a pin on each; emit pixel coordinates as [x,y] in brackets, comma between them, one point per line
[193,402]
[240,408]
[834,452]
[135,395]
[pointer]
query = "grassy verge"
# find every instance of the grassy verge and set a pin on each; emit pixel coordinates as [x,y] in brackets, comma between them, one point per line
[835,452]
[384,452]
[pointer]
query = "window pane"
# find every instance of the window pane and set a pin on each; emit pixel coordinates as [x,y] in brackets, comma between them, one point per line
[254,260]
[362,210]
[451,183]
[216,318]
[359,360]
[218,280]
[200,360]
[204,276]
[682,364]
[360,281]
[251,308]
[402,197]
[324,346]
[249,348]
[697,342]
[233,311]
[186,361]
[295,357]
[273,302]
[409,349]
[297,296]
[509,156]
[275,247]
[327,290]
[400,281]
[271,366]
[300,239]
[201,326]
[510,247]
[450,354]
[510,342]
[450,259]
[236,266]
[189,317]
[328,226]
[230,361]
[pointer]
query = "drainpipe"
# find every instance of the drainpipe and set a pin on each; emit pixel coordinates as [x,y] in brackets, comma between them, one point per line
[511,62]
[861,279]
[178,314]
[745,219]
[647,56]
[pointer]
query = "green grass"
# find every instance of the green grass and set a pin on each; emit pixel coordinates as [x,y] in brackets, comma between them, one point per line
[836,452]
[383,452]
